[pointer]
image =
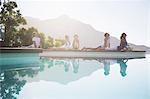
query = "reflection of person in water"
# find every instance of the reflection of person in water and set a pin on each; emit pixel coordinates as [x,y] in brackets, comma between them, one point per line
[123,66]
[106,67]
[75,64]
[106,64]
[66,65]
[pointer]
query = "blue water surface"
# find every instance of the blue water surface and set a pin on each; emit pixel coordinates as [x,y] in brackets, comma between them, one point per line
[51,78]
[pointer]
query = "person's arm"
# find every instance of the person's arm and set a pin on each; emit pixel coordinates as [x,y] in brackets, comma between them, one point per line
[73,46]
[121,42]
[34,43]
[126,42]
[69,43]
[78,44]
[40,43]
[105,42]
[109,42]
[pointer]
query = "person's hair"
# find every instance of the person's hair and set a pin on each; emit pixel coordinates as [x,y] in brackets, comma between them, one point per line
[106,34]
[122,35]
[75,35]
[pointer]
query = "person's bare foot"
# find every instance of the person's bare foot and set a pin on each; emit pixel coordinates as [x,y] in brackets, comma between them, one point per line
[83,49]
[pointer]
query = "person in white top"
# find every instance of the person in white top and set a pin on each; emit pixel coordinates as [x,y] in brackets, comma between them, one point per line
[36,41]
[106,41]
[67,42]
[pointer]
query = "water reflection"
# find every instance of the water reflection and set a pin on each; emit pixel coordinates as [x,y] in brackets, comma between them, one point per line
[123,66]
[75,63]
[64,71]
[10,84]
[106,67]
[66,63]
[108,62]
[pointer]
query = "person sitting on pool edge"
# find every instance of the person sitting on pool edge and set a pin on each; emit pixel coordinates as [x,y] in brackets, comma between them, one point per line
[75,44]
[65,46]
[36,41]
[106,45]
[67,42]
[123,43]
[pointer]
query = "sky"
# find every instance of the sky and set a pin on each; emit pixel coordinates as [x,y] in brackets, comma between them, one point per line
[113,16]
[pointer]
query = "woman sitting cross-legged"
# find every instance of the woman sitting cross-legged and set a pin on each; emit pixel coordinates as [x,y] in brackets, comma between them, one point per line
[123,43]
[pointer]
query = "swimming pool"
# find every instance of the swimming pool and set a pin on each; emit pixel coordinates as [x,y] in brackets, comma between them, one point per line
[76,78]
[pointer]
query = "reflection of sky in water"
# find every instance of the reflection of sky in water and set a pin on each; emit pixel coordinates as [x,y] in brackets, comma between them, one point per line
[86,79]
[65,71]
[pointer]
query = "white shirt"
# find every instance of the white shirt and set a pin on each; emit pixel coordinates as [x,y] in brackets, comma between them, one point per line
[67,44]
[108,43]
[37,41]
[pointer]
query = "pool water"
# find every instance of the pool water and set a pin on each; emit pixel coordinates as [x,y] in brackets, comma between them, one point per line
[51,78]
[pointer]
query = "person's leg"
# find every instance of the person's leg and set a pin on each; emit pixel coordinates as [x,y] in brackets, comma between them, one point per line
[88,49]
[99,49]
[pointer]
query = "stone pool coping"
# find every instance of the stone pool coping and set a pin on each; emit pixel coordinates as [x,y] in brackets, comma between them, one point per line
[20,50]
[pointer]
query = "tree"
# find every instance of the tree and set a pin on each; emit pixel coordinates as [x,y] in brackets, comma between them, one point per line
[24,37]
[59,42]
[49,42]
[42,37]
[10,19]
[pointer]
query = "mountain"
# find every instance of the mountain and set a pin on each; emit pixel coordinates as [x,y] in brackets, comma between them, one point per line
[65,25]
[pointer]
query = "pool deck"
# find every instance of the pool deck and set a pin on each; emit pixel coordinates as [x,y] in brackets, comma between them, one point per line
[92,54]
[76,53]
[20,50]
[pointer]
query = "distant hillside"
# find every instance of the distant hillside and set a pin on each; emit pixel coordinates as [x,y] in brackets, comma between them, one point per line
[64,25]
[141,47]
